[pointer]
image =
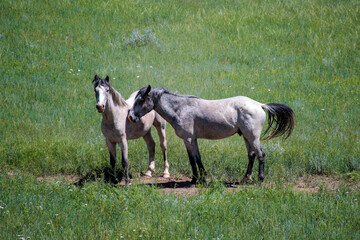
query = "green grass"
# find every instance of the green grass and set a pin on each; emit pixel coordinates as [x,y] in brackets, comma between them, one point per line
[301,53]
[43,210]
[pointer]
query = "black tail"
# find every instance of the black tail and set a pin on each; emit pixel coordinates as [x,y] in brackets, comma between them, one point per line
[283,116]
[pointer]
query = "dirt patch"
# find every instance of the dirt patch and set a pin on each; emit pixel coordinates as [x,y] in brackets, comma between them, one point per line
[313,184]
[177,185]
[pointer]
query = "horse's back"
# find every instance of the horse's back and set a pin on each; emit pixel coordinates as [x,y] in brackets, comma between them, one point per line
[230,106]
[221,118]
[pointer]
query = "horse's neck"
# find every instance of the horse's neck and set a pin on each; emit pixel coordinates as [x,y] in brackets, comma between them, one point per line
[169,107]
[117,98]
[114,106]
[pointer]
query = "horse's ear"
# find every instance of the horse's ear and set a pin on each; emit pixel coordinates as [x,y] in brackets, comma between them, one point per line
[95,78]
[107,78]
[147,90]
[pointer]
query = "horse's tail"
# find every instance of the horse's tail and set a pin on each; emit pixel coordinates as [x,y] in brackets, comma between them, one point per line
[284,118]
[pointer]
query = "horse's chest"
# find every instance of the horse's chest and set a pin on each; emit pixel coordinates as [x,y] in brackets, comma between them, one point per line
[113,132]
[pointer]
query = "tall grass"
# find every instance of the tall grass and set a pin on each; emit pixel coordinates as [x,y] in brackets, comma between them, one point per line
[301,53]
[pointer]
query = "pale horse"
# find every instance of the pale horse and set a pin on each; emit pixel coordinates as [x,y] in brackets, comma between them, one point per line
[193,118]
[117,129]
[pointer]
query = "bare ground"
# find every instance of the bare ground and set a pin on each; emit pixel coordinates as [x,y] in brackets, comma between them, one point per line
[180,185]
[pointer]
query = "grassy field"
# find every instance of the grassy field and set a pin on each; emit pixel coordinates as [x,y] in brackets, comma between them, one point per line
[54,210]
[305,54]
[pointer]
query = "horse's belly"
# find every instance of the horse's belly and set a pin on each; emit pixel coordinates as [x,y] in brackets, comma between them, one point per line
[215,131]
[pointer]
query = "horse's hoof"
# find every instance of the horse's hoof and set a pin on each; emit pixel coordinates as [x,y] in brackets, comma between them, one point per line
[193,181]
[148,173]
[202,181]
[128,182]
[166,175]
[246,179]
[261,179]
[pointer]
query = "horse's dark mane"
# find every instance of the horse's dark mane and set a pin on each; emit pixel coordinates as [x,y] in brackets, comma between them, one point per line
[157,92]
[176,94]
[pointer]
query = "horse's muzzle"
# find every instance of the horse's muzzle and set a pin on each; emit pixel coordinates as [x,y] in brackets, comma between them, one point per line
[100,108]
[132,117]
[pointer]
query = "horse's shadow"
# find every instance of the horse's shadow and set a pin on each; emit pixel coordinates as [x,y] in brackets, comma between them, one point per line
[171,185]
[109,176]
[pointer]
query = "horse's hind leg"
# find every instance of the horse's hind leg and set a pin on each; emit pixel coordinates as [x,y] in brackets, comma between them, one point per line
[260,154]
[256,148]
[251,157]
[160,128]
[151,148]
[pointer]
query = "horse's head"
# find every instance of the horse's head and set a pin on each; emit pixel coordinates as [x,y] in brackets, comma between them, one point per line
[101,88]
[142,105]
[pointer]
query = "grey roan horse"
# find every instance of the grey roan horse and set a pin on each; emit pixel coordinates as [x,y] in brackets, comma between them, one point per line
[193,118]
[117,128]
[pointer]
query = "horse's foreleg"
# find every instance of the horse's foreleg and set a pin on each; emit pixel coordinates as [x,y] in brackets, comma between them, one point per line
[195,158]
[151,148]
[112,152]
[124,159]
[192,158]
[199,163]
[163,144]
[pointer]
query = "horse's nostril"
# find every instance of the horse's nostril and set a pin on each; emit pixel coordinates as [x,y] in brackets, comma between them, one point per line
[130,117]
